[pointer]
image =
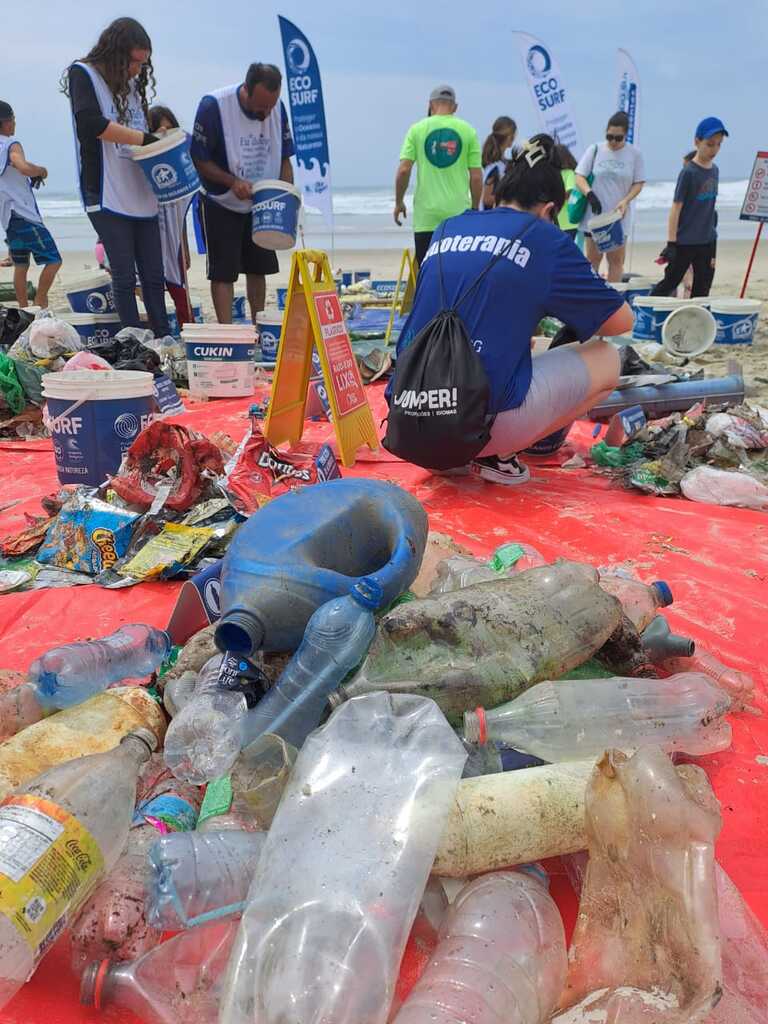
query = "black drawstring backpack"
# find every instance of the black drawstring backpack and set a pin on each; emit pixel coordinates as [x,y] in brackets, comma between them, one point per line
[438,411]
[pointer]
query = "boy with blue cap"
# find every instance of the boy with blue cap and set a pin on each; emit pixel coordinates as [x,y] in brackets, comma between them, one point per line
[692,233]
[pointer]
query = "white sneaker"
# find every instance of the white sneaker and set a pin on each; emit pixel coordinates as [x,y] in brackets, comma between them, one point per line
[501,471]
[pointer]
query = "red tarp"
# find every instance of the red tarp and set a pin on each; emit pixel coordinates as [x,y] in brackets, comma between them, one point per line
[715,560]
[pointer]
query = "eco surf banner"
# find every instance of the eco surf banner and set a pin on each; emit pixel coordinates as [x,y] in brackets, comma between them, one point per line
[628,92]
[547,91]
[305,92]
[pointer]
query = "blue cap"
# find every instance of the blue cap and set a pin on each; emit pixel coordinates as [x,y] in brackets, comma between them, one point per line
[664,591]
[367,593]
[710,126]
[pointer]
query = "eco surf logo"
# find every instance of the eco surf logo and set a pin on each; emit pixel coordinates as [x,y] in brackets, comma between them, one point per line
[164,176]
[547,88]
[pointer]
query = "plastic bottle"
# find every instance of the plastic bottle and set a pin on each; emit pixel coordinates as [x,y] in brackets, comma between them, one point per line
[178,692]
[114,921]
[199,876]
[720,487]
[501,956]
[739,685]
[68,675]
[660,643]
[486,644]
[19,708]
[578,718]
[639,601]
[59,835]
[460,571]
[309,546]
[178,982]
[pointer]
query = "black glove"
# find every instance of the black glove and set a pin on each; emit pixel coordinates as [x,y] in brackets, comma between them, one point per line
[595,204]
[668,253]
[149,138]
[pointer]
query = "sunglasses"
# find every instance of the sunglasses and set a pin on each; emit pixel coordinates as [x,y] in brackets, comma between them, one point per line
[614,138]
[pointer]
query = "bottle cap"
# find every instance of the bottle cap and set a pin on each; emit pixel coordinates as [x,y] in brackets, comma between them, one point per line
[482,729]
[367,592]
[537,871]
[92,983]
[664,591]
[145,735]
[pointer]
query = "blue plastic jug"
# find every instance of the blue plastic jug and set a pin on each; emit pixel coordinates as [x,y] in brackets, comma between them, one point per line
[309,546]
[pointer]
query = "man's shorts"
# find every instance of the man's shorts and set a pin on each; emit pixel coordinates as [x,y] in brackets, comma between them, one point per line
[26,238]
[231,250]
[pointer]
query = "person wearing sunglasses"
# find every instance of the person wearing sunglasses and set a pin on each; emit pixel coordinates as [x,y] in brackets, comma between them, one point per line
[617,174]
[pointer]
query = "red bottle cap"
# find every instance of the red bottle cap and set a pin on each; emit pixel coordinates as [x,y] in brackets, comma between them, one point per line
[482,735]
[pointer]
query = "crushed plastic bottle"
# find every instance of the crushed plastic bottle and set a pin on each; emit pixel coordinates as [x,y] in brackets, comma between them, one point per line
[500,959]
[573,719]
[461,571]
[59,835]
[68,675]
[739,685]
[721,487]
[639,601]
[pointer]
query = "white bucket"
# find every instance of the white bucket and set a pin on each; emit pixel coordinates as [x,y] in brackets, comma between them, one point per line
[94,416]
[643,329]
[270,325]
[168,167]
[94,328]
[275,214]
[736,320]
[219,363]
[688,330]
[91,294]
[607,231]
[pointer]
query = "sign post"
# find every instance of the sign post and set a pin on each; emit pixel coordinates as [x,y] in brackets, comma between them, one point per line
[313,317]
[755,206]
[402,300]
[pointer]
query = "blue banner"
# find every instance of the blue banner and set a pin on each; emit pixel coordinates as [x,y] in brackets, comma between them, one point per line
[305,93]
[628,89]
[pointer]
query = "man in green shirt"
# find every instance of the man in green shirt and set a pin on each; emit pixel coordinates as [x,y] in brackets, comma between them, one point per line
[446,151]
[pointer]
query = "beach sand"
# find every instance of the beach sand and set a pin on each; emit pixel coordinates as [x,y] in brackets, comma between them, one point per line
[732,259]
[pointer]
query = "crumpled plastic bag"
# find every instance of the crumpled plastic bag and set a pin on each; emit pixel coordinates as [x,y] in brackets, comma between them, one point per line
[646,947]
[11,391]
[13,323]
[49,337]
[86,361]
[129,350]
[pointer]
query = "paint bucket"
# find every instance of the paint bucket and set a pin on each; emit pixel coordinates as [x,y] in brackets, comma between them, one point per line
[736,320]
[662,307]
[360,275]
[220,361]
[168,166]
[688,330]
[607,231]
[94,416]
[637,286]
[93,327]
[346,278]
[270,324]
[239,309]
[282,297]
[91,294]
[275,214]
[643,329]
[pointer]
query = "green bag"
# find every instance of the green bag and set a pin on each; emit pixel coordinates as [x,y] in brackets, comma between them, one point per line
[577,201]
[10,387]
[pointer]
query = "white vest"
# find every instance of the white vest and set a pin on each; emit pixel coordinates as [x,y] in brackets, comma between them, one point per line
[16,195]
[124,189]
[254,148]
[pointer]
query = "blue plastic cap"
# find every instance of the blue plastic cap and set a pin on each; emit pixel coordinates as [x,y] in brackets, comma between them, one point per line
[368,593]
[535,870]
[664,591]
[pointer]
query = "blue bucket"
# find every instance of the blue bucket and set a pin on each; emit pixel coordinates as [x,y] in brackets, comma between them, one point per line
[360,275]
[607,231]
[736,320]
[275,214]
[91,294]
[270,324]
[94,328]
[282,297]
[94,417]
[662,307]
[644,329]
[346,278]
[168,166]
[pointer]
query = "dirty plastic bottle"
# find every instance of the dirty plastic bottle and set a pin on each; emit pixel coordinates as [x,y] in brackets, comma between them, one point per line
[577,718]
[178,982]
[660,642]
[639,601]
[19,708]
[460,571]
[200,876]
[486,644]
[68,675]
[113,923]
[59,835]
[309,546]
[739,685]
[501,956]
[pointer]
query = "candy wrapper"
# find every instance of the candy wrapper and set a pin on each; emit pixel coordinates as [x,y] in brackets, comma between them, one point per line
[167,553]
[259,472]
[88,536]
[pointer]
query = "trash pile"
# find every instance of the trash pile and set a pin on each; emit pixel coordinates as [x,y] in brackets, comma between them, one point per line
[337,795]
[717,457]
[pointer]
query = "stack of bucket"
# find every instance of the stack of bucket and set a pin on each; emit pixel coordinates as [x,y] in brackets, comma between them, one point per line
[735,319]
[270,326]
[220,359]
[93,308]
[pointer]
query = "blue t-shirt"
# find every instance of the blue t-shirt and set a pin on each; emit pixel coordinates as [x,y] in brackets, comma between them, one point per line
[696,189]
[543,274]
[208,139]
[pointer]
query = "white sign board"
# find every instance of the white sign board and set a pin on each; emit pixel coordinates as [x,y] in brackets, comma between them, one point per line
[755,205]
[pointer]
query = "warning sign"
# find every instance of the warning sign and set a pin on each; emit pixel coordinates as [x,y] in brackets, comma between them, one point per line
[755,205]
[345,379]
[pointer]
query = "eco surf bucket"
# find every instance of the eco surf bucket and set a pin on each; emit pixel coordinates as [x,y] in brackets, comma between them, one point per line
[168,167]
[275,214]
[662,307]
[736,320]
[93,327]
[91,294]
[643,329]
[637,286]
[270,325]
[219,364]
[688,331]
[607,231]
[94,416]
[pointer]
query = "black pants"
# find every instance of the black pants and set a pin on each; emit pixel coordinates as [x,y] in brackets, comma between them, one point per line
[421,240]
[134,245]
[701,258]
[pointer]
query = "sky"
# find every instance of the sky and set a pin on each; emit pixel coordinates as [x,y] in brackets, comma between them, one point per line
[379,60]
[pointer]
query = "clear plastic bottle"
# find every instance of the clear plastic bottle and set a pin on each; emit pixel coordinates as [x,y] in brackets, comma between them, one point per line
[739,685]
[59,835]
[178,982]
[19,708]
[461,571]
[200,876]
[500,959]
[572,719]
[640,601]
[68,675]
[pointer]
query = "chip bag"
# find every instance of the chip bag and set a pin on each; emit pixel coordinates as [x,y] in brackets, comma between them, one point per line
[88,536]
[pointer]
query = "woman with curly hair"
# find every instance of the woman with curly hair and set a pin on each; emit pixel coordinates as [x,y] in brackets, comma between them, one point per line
[108,92]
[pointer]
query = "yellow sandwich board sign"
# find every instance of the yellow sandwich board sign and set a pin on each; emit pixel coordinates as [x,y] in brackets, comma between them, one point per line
[313,316]
[402,299]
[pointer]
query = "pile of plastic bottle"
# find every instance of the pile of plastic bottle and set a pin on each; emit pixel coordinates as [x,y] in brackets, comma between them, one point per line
[341,811]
